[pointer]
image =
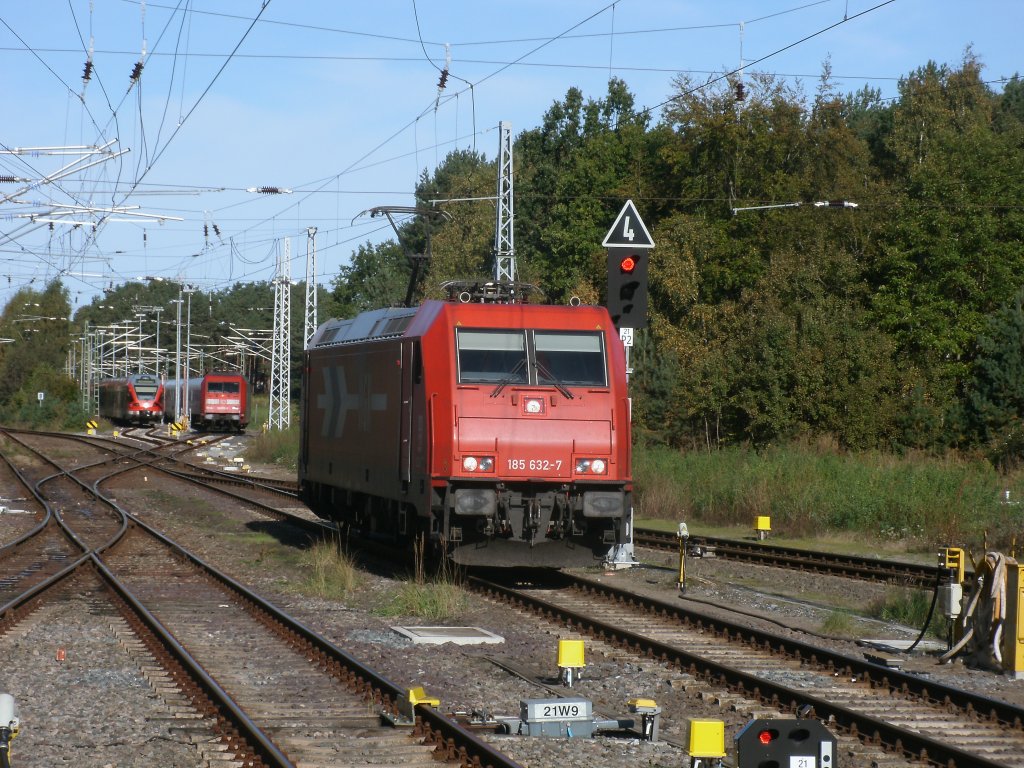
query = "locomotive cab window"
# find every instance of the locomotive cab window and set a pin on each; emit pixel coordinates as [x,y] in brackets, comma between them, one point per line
[146,387]
[538,358]
[230,387]
[490,357]
[573,359]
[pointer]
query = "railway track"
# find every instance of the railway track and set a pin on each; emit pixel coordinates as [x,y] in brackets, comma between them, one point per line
[166,457]
[870,705]
[170,456]
[758,552]
[763,673]
[222,646]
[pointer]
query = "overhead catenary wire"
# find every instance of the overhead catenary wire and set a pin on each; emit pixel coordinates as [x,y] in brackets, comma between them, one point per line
[114,111]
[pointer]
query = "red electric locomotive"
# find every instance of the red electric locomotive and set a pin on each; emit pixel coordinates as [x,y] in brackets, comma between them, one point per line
[219,401]
[500,431]
[136,399]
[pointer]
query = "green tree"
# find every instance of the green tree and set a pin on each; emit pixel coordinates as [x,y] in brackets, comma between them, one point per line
[945,253]
[462,248]
[376,277]
[576,170]
[995,392]
[35,359]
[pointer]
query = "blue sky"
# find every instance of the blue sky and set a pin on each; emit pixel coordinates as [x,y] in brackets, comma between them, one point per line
[338,102]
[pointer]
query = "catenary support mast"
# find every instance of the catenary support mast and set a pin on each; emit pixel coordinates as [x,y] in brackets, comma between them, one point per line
[280,363]
[310,314]
[504,238]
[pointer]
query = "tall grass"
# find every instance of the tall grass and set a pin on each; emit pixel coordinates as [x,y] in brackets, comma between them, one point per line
[433,601]
[334,573]
[437,597]
[276,446]
[911,608]
[813,489]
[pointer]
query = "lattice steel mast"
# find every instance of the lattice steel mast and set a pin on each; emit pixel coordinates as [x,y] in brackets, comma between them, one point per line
[280,360]
[504,238]
[310,314]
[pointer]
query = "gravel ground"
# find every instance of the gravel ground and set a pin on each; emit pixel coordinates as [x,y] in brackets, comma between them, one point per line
[465,678]
[93,706]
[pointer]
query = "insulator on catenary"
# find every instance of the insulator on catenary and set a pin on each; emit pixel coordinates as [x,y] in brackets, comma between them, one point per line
[136,71]
[87,72]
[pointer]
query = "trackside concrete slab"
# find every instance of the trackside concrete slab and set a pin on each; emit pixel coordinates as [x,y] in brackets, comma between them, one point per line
[457,635]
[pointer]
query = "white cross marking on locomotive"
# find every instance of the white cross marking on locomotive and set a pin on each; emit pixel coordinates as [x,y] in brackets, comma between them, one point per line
[337,401]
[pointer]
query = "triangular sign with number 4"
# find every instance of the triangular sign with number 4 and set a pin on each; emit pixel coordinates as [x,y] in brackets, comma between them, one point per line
[628,231]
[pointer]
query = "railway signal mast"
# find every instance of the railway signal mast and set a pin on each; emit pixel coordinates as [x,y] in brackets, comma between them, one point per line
[628,244]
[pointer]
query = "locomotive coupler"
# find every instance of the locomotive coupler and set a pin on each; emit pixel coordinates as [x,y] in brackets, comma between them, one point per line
[532,524]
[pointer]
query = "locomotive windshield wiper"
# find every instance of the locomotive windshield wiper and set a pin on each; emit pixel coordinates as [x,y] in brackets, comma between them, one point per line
[508,379]
[542,369]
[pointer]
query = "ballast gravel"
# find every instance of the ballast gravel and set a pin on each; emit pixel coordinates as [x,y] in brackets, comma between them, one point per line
[96,709]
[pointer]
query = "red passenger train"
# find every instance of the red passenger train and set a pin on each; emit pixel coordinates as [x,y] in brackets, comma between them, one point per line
[218,401]
[136,399]
[500,431]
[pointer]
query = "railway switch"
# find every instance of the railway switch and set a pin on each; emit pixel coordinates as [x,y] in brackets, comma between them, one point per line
[650,717]
[762,526]
[570,661]
[781,741]
[10,725]
[568,717]
[706,743]
[573,717]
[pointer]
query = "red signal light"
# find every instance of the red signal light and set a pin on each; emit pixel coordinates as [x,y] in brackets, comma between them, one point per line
[765,737]
[627,265]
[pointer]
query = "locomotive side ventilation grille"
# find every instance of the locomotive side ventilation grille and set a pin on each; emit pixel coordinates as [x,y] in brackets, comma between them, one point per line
[394,326]
[328,336]
[370,325]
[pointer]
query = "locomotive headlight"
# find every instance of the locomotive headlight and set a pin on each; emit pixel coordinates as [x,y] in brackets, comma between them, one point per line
[591,467]
[533,405]
[478,463]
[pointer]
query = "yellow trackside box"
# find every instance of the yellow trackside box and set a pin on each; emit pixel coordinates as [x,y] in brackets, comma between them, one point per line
[570,654]
[1013,629]
[952,559]
[642,705]
[707,738]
